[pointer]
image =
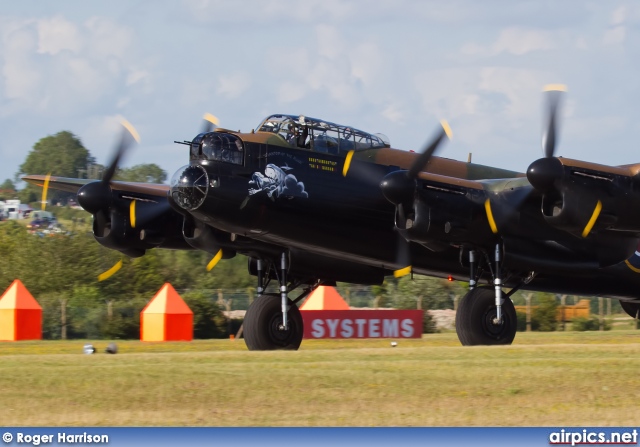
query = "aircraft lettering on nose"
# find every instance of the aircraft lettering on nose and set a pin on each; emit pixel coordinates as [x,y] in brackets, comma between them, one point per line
[311,203]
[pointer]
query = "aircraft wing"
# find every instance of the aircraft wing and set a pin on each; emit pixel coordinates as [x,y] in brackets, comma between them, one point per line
[73,185]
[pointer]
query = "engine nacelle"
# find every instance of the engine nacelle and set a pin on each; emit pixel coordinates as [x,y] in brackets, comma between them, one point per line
[203,237]
[579,197]
[449,220]
[112,228]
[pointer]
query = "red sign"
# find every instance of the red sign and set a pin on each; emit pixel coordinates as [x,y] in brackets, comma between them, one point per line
[362,323]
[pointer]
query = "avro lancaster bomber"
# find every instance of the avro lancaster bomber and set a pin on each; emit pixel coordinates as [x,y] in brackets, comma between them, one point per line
[311,203]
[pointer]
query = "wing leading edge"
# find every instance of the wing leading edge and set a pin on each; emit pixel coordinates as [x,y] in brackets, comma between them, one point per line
[72,185]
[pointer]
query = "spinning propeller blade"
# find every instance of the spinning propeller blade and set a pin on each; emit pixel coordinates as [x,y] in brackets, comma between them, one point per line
[129,135]
[549,138]
[45,187]
[429,149]
[109,273]
[210,123]
[214,260]
[399,186]
[403,258]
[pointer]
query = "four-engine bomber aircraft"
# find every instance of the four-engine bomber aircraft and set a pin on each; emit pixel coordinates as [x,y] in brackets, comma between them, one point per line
[311,202]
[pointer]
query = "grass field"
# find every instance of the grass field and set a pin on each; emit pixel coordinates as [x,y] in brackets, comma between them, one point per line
[551,379]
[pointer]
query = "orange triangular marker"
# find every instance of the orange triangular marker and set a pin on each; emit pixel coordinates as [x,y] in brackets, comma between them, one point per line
[325,298]
[18,297]
[20,314]
[167,301]
[166,318]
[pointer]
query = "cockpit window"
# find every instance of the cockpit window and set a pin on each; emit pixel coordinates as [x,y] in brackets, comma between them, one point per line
[218,146]
[321,136]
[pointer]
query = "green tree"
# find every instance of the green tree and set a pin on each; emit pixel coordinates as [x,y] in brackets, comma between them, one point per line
[8,184]
[546,312]
[61,155]
[428,293]
[146,173]
[208,319]
[7,190]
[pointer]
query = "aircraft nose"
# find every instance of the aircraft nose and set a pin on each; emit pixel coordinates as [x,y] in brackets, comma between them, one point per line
[189,186]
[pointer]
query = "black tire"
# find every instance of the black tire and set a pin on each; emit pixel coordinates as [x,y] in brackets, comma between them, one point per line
[474,317]
[261,323]
[632,309]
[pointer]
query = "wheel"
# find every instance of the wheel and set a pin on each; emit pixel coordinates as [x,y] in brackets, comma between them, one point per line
[632,309]
[262,321]
[474,319]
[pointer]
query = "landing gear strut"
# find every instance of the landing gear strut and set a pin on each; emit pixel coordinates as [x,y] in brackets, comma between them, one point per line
[273,321]
[486,317]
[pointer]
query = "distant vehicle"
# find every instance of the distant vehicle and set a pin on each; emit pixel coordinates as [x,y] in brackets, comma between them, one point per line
[42,215]
[36,223]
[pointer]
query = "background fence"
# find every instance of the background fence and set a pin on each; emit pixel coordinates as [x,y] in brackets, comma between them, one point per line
[218,313]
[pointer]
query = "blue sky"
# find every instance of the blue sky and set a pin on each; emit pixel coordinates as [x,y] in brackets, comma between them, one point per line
[395,67]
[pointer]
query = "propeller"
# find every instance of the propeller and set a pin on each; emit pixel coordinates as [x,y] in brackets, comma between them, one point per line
[112,271]
[45,187]
[543,173]
[96,196]
[554,96]
[399,187]
[403,257]
[210,123]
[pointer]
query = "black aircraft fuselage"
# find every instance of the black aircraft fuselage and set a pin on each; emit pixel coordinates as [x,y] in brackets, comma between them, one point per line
[341,228]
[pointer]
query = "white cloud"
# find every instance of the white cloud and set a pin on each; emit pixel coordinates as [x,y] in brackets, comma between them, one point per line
[22,76]
[106,38]
[618,15]
[53,66]
[521,41]
[136,75]
[58,34]
[271,11]
[234,84]
[394,113]
[615,35]
[291,91]
[514,40]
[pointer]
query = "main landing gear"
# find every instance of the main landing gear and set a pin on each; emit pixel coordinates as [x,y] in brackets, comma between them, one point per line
[273,321]
[485,316]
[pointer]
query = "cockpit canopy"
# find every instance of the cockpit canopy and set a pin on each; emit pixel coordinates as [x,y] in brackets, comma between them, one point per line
[321,136]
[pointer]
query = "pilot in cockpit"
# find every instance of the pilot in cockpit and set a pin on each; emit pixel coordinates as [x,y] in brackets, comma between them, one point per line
[297,138]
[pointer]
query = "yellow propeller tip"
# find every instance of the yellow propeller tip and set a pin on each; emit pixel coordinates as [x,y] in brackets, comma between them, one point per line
[132,130]
[446,128]
[109,273]
[214,260]
[402,272]
[212,119]
[347,163]
[555,88]
[132,213]
[44,191]
[490,219]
